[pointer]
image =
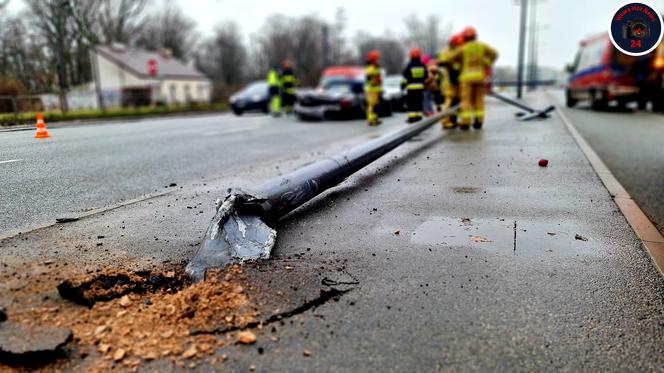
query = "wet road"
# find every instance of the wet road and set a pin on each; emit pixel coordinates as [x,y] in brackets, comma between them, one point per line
[631,144]
[91,166]
[461,254]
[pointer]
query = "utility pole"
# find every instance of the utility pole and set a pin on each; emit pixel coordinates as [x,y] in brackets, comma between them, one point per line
[522,42]
[325,45]
[532,48]
[60,13]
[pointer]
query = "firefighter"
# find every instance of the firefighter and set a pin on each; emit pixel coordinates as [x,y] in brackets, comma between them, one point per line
[288,84]
[432,87]
[450,71]
[475,58]
[274,90]
[374,86]
[414,77]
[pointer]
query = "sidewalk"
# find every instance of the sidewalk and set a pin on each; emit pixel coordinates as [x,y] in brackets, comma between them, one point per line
[459,253]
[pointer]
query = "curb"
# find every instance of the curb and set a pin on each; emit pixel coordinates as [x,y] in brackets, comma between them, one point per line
[651,239]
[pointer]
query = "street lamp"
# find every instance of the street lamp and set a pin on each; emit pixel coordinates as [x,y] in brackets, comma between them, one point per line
[522,42]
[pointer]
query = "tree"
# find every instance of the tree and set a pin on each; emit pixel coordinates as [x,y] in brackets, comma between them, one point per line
[119,20]
[426,34]
[341,54]
[169,29]
[393,53]
[298,39]
[223,57]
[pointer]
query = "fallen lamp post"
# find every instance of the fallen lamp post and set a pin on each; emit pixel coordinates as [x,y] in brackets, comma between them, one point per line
[238,231]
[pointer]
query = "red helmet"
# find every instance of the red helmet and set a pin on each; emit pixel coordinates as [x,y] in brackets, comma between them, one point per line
[456,40]
[285,64]
[469,33]
[373,56]
[415,53]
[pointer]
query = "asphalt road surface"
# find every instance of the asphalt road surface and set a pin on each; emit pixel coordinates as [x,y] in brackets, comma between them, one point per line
[84,167]
[631,143]
[454,252]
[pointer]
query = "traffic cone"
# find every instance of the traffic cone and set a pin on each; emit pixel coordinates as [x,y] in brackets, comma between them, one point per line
[41,133]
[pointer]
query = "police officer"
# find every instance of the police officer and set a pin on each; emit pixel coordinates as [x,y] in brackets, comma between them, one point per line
[450,71]
[414,77]
[373,86]
[288,84]
[274,90]
[475,58]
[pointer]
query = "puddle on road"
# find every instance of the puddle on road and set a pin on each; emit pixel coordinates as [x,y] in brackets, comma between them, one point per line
[533,239]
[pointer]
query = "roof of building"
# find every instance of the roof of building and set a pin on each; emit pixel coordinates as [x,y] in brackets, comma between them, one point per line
[136,61]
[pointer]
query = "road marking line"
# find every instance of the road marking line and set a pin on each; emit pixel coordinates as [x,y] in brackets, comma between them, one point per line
[11,161]
[645,230]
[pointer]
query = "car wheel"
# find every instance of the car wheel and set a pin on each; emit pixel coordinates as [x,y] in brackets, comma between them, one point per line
[569,100]
[238,111]
[598,100]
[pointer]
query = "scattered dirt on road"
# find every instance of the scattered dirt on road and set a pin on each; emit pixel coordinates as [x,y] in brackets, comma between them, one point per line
[125,321]
[136,328]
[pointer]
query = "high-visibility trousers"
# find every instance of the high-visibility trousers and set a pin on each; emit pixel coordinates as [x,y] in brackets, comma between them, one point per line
[472,102]
[288,101]
[373,99]
[415,100]
[451,93]
[275,104]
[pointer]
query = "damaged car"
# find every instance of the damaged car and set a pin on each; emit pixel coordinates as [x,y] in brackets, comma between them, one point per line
[339,95]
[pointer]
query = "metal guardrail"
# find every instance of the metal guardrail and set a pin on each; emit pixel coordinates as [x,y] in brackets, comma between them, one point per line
[239,232]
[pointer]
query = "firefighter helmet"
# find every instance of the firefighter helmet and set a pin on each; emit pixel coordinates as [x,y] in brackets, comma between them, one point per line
[456,40]
[415,53]
[469,33]
[373,56]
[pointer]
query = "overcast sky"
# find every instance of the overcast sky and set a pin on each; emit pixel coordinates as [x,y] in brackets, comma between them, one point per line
[562,23]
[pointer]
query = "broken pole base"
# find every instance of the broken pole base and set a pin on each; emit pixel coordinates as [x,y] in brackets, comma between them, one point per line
[529,114]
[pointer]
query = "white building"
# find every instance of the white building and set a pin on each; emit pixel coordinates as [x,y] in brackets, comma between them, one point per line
[133,76]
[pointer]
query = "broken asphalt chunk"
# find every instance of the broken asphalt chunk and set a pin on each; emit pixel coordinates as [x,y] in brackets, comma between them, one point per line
[24,345]
[580,237]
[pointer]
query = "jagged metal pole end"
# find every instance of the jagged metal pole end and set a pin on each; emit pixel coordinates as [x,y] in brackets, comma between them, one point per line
[235,234]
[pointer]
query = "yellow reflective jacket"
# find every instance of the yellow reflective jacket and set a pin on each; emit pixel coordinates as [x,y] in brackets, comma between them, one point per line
[288,81]
[450,70]
[374,81]
[273,78]
[474,57]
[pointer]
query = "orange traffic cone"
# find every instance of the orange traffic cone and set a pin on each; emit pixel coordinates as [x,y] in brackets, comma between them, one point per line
[41,133]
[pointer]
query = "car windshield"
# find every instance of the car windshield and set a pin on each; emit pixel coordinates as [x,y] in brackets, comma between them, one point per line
[338,83]
[256,88]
